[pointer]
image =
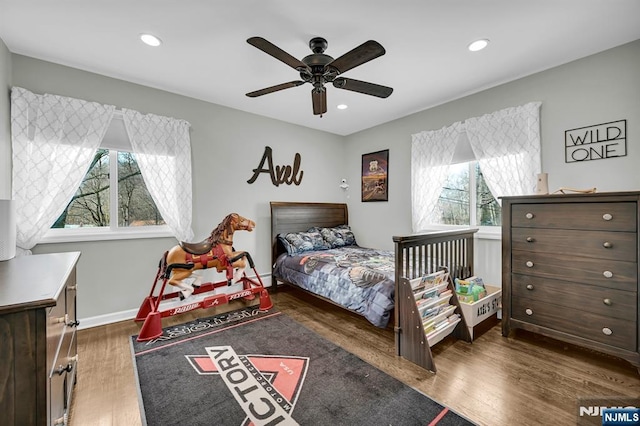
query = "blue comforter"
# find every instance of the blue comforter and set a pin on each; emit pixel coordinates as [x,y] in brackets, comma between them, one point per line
[357,278]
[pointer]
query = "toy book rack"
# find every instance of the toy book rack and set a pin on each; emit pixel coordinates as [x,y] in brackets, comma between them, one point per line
[151,314]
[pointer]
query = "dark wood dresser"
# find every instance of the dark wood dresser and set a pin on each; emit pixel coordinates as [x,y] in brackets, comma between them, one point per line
[570,269]
[37,338]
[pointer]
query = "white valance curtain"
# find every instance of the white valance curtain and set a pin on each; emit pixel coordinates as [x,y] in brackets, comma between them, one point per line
[163,150]
[53,140]
[431,154]
[506,144]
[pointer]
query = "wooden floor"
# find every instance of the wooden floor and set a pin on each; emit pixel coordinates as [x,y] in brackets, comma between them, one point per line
[521,380]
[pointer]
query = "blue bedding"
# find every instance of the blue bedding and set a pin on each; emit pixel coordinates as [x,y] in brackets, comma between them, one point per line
[357,278]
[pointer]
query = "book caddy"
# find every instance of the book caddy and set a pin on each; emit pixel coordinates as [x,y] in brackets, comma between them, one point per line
[431,311]
[478,300]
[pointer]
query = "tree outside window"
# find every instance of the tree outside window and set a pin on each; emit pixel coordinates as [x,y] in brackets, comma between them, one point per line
[465,187]
[111,196]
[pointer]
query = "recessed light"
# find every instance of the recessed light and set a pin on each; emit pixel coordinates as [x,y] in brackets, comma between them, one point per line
[150,40]
[342,106]
[478,45]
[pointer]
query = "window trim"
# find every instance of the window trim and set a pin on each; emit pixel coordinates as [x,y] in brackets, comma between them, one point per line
[69,235]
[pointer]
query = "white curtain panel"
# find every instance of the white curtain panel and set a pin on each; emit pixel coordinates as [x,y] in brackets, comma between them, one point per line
[53,140]
[431,154]
[163,150]
[506,144]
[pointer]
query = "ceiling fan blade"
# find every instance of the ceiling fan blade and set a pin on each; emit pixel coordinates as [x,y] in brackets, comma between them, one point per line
[364,53]
[275,88]
[362,87]
[319,99]
[273,50]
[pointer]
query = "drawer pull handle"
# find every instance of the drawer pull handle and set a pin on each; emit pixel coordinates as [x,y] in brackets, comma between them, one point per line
[529,215]
[607,244]
[607,274]
[530,239]
[528,311]
[607,302]
[64,319]
[72,288]
[61,370]
[529,264]
[529,286]
[607,216]
[607,331]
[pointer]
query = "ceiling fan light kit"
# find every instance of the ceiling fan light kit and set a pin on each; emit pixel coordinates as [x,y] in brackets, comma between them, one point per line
[319,69]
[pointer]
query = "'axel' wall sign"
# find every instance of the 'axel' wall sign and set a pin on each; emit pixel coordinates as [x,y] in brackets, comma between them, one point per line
[279,174]
[596,142]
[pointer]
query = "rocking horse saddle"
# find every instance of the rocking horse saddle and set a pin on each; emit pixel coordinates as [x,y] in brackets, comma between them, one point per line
[202,247]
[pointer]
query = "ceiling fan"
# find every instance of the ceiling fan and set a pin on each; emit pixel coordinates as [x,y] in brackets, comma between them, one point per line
[319,69]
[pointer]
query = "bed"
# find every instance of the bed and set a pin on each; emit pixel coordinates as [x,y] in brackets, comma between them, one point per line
[362,280]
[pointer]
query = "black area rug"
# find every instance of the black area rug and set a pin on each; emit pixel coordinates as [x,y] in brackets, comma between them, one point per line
[250,367]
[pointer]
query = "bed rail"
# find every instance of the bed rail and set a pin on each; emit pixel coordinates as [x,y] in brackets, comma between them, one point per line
[420,254]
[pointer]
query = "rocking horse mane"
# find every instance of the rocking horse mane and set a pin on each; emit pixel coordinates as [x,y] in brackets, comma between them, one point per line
[225,225]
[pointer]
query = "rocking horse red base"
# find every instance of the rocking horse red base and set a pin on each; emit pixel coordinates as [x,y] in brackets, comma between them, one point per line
[180,262]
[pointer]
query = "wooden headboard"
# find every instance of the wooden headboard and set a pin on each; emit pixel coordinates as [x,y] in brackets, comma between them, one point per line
[298,217]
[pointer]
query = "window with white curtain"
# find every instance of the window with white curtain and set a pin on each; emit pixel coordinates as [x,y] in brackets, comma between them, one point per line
[112,200]
[459,172]
[70,169]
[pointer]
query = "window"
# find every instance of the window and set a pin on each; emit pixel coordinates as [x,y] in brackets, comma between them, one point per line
[111,195]
[112,201]
[465,187]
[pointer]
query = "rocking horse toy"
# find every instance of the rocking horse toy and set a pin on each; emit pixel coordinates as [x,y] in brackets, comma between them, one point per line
[178,264]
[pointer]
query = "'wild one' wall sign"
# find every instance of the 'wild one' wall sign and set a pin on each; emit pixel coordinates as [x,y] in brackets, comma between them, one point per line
[596,142]
[279,174]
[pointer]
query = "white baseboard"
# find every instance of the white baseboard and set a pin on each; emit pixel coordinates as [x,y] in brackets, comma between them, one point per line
[107,319]
[129,315]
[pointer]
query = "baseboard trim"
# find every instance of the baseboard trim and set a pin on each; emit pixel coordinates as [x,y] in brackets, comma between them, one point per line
[129,315]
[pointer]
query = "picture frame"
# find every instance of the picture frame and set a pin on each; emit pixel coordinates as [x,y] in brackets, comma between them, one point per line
[375,176]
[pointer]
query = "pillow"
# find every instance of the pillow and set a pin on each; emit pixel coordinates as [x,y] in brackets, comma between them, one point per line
[298,242]
[338,236]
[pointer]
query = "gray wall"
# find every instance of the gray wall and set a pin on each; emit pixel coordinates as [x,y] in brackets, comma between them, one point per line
[226,145]
[5,122]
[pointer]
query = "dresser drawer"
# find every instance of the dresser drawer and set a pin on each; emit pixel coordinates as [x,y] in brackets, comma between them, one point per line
[606,273]
[593,216]
[57,395]
[55,329]
[610,331]
[598,244]
[594,299]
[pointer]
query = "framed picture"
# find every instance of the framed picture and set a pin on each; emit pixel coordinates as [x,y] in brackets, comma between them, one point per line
[375,176]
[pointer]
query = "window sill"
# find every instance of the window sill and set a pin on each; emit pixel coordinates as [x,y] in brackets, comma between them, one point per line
[96,234]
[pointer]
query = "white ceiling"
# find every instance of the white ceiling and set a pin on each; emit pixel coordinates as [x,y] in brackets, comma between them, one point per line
[205,54]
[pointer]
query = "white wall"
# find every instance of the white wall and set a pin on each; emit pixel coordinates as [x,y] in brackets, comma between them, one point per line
[597,89]
[226,145]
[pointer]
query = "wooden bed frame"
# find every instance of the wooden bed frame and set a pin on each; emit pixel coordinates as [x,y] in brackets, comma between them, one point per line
[415,255]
